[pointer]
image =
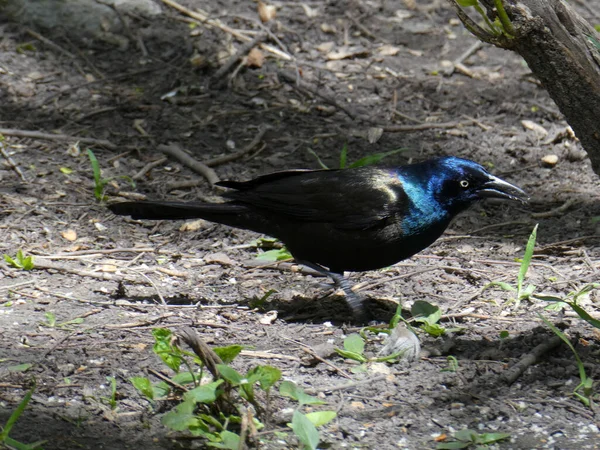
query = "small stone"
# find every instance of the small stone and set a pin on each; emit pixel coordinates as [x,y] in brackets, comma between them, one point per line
[550,160]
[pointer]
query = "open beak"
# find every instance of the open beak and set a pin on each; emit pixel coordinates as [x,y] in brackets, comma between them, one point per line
[498,188]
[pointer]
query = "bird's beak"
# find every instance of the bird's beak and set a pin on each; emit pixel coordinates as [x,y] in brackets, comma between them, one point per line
[498,188]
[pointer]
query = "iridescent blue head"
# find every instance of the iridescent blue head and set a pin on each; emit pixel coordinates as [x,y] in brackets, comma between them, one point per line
[460,183]
[448,185]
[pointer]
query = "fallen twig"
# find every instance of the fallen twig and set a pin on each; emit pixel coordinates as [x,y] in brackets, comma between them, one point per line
[237,155]
[554,212]
[201,168]
[203,19]
[56,137]
[242,51]
[529,359]
[11,162]
[148,167]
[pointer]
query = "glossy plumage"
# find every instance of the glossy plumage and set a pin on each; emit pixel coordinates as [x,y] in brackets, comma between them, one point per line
[346,220]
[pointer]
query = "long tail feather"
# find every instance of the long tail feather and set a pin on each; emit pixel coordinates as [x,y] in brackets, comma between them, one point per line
[215,212]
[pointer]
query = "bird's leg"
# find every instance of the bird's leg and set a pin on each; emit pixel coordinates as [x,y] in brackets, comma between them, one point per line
[352,298]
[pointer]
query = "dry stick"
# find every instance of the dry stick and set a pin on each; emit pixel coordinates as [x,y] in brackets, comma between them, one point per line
[56,137]
[247,149]
[105,252]
[48,265]
[343,387]
[225,68]
[11,162]
[217,24]
[176,152]
[49,43]
[148,167]
[554,212]
[312,353]
[472,49]
[304,86]
[200,348]
[528,360]
[14,286]
[220,160]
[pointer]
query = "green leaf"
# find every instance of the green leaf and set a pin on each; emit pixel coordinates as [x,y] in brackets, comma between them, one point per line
[290,389]
[374,158]
[490,438]
[229,353]
[20,367]
[321,163]
[351,355]
[320,418]
[231,375]
[466,435]
[467,3]
[66,170]
[229,440]
[181,417]
[452,445]
[5,431]
[354,343]
[426,312]
[305,431]
[266,376]
[143,385]
[565,339]
[584,315]
[527,258]
[344,156]
[434,330]
[206,393]
[504,334]
[50,319]
[280,254]
[169,354]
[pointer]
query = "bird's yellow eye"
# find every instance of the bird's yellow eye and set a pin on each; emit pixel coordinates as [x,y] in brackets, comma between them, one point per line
[464,183]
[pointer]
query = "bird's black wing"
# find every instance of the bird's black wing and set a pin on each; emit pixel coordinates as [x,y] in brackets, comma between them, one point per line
[348,199]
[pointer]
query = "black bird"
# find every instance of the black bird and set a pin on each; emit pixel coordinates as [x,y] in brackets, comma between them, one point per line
[346,220]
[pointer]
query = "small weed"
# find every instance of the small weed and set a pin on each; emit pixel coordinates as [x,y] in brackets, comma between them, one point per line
[452,364]
[586,383]
[213,397]
[8,442]
[368,160]
[522,293]
[112,400]
[500,26]
[20,261]
[468,438]
[572,299]
[51,322]
[99,182]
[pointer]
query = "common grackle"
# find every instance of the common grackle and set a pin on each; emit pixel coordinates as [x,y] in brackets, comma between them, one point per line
[346,220]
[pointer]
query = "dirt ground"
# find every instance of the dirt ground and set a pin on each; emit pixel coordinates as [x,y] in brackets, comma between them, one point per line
[381,60]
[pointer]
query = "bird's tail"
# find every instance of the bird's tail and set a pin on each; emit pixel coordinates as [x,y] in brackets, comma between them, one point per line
[214,212]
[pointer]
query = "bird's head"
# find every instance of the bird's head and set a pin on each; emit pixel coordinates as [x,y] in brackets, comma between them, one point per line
[457,183]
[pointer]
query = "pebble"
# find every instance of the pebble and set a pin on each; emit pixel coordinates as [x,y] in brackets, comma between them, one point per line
[550,160]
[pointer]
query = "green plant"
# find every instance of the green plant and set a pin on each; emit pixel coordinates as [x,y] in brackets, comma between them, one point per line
[586,383]
[20,261]
[99,182]
[572,299]
[213,398]
[51,321]
[468,438]
[500,26]
[522,292]
[5,439]
[112,400]
[305,425]
[368,160]
[452,364]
